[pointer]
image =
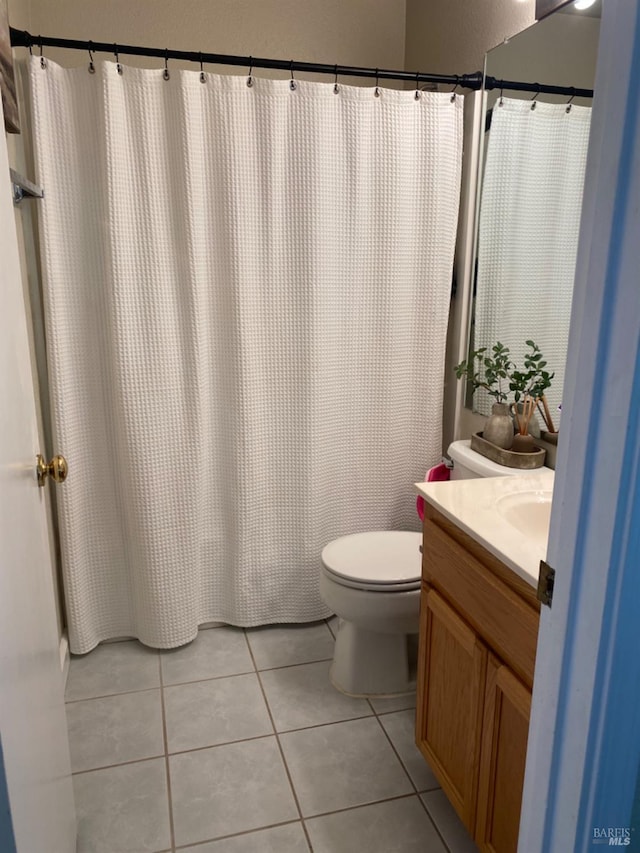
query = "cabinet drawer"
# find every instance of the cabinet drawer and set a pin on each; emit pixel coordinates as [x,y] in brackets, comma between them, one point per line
[500,616]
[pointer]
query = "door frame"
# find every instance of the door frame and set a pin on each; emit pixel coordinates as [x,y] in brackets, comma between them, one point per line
[584,742]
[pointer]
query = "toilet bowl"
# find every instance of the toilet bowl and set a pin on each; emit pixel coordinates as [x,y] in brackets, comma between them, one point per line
[371,581]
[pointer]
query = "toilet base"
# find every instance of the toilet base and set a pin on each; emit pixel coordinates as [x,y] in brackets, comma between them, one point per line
[367,663]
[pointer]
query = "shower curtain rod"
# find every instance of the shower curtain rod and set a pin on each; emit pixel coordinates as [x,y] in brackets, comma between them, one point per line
[539,88]
[23,38]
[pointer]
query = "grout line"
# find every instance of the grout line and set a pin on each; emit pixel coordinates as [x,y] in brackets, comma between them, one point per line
[216,745]
[364,805]
[326,621]
[111,695]
[292,665]
[433,821]
[237,834]
[397,754]
[247,672]
[277,736]
[166,758]
[119,764]
[226,742]
[415,787]
[198,680]
[302,821]
[209,678]
[395,711]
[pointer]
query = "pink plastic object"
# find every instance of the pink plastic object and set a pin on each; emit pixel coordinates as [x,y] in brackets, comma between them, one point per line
[438,474]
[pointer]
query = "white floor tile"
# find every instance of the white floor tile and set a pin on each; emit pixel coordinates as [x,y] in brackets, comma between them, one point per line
[123,809]
[112,668]
[398,826]
[401,729]
[206,713]
[449,824]
[229,789]
[279,839]
[215,652]
[284,645]
[342,765]
[115,729]
[301,696]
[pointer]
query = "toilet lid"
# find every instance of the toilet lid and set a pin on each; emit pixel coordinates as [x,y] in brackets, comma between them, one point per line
[385,558]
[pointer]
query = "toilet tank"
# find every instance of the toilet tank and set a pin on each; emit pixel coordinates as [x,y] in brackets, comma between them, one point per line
[468,465]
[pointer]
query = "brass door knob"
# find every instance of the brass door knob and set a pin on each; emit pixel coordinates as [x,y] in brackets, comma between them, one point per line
[57,469]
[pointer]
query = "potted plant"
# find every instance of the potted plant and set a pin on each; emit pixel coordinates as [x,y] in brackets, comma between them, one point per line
[528,387]
[491,372]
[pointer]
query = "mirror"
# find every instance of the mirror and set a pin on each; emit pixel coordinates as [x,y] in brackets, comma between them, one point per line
[530,194]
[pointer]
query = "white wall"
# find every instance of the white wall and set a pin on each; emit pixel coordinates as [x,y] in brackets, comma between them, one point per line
[452,36]
[353,32]
[560,50]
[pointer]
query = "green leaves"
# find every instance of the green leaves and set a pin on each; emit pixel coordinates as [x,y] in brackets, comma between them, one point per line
[495,367]
[533,381]
[494,370]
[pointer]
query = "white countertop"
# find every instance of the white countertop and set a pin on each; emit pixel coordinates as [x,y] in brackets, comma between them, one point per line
[475,506]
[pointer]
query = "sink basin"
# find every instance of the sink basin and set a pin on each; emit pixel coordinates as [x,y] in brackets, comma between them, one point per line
[529,512]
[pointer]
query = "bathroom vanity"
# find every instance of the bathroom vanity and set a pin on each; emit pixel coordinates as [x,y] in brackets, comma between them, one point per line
[483,540]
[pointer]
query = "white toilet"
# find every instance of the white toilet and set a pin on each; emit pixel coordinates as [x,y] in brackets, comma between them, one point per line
[372,582]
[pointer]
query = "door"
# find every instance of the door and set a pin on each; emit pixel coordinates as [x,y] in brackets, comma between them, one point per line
[451,677]
[507,707]
[33,730]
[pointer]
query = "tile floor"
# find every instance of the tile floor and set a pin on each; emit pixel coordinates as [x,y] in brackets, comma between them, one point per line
[237,743]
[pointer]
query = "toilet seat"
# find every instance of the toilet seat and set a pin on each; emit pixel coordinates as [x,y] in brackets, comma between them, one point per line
[378,561]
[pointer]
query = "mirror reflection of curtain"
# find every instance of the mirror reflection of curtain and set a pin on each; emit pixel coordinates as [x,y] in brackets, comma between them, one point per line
[528,235]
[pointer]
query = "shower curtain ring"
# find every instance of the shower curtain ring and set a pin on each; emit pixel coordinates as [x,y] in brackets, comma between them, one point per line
[533,100]
[166,74]
[43,61]
[453,91]
[250,77]
[292,82]
[417,95]
[501,101]
[118,66]
[92,67]
[336,88]
[569,104]
[376,91]
[203,77]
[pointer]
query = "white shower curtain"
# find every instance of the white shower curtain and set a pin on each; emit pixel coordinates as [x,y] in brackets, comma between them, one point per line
[528,235]
[246,296]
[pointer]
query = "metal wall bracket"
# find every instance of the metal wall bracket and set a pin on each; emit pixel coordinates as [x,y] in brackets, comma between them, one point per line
[24,188]
[546,580]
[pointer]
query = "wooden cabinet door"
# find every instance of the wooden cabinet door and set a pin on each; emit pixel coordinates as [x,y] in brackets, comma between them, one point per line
[505,728]
[451,677]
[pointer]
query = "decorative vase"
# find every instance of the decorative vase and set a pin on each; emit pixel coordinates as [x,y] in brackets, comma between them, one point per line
[499,426]
[523,443]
